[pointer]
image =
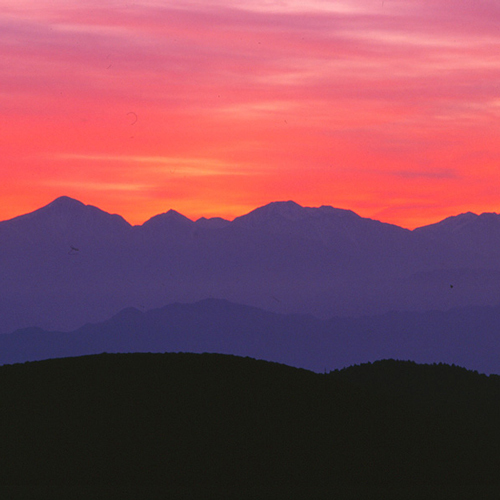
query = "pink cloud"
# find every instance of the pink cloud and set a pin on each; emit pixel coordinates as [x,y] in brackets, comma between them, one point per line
[317,102]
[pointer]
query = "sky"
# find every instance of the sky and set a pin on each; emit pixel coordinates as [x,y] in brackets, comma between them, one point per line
[389,108]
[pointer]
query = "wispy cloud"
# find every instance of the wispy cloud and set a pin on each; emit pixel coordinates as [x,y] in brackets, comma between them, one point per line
[344,96]
[95,186]
[427,174]
[198,167]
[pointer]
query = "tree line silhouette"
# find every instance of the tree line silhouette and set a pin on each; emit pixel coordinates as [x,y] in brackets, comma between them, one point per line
[174,425]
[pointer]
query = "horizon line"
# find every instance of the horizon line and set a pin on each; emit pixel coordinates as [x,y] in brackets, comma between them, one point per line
[194,220]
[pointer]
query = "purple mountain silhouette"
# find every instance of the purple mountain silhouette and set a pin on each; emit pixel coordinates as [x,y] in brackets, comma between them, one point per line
[66,216]
[467,337]
[68,264]
[169,222]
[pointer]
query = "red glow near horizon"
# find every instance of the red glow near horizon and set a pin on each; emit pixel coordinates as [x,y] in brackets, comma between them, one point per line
[390,109]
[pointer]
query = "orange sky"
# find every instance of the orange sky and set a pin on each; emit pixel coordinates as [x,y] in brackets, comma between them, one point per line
[388,108]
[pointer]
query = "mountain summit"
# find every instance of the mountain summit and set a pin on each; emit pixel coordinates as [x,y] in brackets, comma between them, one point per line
[66,214]
[289,211]
[171,220]
[286,209]
[65,203]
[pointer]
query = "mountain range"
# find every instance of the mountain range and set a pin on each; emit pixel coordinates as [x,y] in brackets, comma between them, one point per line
[465,336]
[68,264]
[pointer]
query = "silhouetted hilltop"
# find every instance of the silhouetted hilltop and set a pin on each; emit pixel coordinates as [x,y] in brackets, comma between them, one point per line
[178,425]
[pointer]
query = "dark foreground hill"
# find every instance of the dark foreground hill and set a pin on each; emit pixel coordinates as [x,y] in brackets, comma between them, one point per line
[214,426]
[467,337]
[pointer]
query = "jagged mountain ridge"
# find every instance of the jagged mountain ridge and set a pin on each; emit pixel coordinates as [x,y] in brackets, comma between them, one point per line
[68,263]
